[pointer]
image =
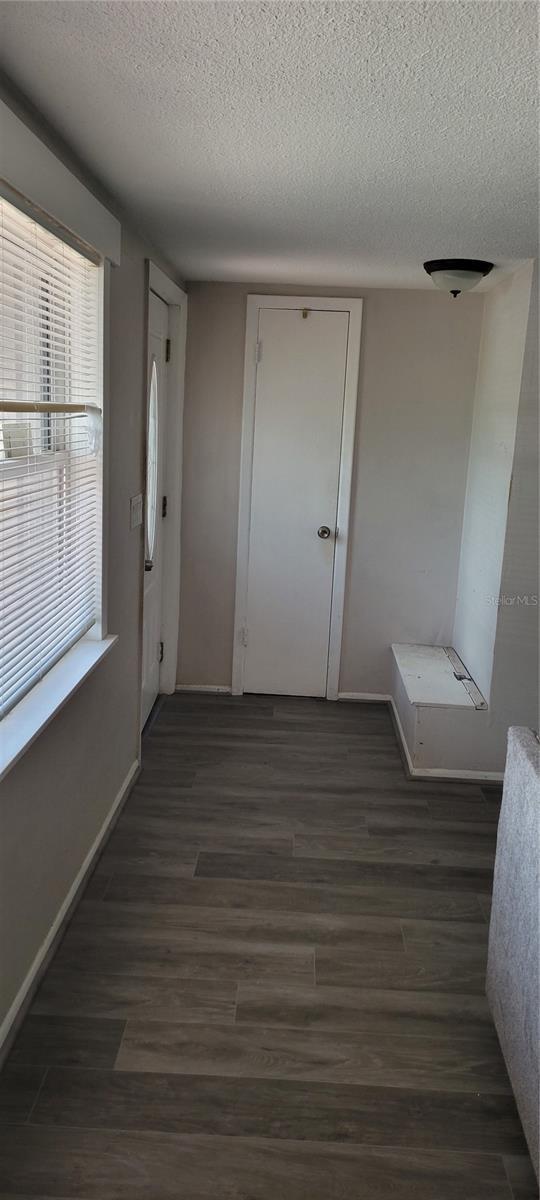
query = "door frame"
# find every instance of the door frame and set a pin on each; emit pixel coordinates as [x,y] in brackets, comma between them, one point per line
[319,304]
[177,303]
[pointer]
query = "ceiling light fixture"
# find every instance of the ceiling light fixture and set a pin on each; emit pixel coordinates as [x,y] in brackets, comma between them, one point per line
[457,275]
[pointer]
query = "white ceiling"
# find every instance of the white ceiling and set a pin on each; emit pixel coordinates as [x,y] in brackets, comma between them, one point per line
[338,143]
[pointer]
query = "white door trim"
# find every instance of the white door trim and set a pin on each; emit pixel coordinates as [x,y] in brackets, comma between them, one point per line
[165,288]
[318,303]
[177,303]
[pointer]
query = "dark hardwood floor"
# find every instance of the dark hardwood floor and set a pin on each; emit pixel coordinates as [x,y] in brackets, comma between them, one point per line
[273,988]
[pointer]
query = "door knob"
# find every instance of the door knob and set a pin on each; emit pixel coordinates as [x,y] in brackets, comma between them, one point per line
[323,532]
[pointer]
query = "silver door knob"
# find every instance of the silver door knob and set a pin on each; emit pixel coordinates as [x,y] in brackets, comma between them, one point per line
[323,532]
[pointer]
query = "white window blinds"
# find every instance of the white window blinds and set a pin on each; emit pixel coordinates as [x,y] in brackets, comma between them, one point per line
[50,450]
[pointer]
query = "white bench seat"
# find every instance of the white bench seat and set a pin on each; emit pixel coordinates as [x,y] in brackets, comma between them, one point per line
[435,676]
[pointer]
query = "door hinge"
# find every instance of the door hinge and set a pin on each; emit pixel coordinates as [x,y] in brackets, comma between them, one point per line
[164,506]
[168,350]
[243,636]
[160,659]
[258,352]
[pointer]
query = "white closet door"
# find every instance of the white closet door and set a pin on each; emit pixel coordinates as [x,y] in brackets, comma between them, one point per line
[296,461]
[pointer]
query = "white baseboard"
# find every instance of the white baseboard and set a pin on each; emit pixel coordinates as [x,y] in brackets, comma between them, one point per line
[215,688]
[370,697]
[457,776]
[48,946]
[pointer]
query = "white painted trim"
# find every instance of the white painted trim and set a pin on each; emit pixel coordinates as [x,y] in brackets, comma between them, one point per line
[57,928]
[244,500]
[104,349]
[344,497]
[459,776]
[211,688]
[177,304]
[35,174]
[366,697]
[170,615]
[163,286]
[318,303]
[36,710]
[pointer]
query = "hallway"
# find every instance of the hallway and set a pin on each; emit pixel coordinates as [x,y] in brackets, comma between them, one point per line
[273,988]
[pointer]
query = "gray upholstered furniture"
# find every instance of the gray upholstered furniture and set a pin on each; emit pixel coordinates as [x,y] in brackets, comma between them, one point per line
[513,978]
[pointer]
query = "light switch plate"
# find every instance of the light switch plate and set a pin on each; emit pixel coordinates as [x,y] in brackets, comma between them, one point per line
[136,511]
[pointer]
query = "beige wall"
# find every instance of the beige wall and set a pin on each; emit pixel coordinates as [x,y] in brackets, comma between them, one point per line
[417,375]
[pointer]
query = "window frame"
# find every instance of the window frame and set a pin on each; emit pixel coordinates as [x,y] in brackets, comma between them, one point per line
[34,711]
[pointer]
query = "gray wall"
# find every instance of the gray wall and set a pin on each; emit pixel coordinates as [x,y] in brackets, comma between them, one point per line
[417,376]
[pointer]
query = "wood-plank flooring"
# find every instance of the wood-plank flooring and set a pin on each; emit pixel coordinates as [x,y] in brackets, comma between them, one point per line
[273,988]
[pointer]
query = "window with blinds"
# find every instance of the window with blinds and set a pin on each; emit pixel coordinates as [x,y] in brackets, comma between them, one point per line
[50,451]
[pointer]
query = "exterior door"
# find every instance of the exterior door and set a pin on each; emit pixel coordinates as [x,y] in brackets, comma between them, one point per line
[299,399]
[155,470]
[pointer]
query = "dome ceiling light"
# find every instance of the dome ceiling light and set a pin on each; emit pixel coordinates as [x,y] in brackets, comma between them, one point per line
[457,275]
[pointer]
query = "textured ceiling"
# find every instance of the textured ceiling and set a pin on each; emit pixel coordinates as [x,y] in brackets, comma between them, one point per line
[337,143]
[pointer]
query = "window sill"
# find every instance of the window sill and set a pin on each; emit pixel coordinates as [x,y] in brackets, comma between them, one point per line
[23,725]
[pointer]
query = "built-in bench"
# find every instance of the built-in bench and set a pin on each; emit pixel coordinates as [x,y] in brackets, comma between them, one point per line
[436,676]
[431,695]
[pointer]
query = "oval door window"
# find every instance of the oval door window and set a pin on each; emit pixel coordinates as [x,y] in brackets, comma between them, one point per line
[152,463]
